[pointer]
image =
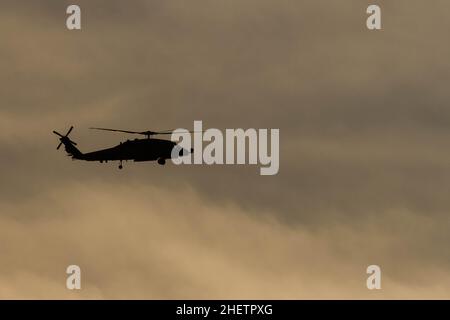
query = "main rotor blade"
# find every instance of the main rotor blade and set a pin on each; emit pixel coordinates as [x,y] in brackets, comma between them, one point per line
[70,130]
[171,131]
[161,133]
[57,133]
[145,133]
[59,146]
[179,132]
[116,130]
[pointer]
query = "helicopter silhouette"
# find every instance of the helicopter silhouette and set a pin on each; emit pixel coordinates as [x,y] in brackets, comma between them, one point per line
[147,149]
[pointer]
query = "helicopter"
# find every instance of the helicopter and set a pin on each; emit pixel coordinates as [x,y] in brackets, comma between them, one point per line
[147,149]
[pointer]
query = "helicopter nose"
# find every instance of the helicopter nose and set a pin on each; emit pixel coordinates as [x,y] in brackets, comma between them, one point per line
[183,152]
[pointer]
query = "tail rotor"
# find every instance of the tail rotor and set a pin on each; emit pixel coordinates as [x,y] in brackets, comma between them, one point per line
[64,139]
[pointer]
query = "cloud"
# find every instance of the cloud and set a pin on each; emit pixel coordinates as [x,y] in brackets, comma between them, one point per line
[363,121]
[140,242]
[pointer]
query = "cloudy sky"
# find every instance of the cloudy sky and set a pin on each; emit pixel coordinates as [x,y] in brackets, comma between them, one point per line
[364,121]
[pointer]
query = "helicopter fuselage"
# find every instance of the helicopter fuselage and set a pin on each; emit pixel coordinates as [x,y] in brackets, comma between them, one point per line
[136,150]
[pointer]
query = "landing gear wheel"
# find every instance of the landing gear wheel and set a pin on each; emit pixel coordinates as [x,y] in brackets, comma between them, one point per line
[120,165]
[162,161]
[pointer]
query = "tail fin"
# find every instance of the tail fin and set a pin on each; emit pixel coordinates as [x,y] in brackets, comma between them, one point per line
[72,150]
[69,145]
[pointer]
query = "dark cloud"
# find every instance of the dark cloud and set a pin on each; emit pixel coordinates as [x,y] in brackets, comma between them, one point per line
[363,120]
